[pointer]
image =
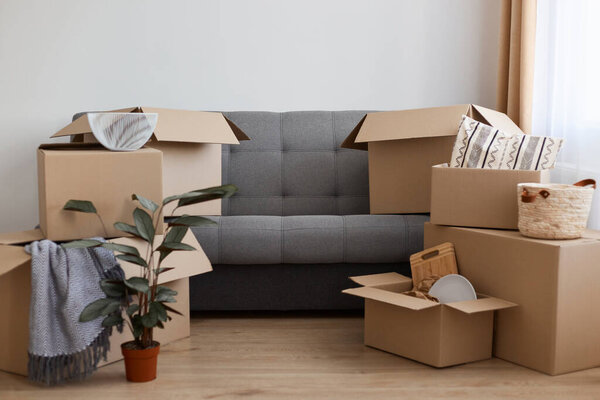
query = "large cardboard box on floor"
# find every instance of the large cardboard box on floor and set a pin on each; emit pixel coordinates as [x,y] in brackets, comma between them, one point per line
[436,334]
[15,292]
[556,327]
[81,171]
[404,145]
[477,197]
[191,145]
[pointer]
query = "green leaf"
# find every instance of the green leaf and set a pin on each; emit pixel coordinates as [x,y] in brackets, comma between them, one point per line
[146,203]
[167,290]
[132,259]
[201,195]
[165,294]
[191,220]
[175,246]
[121,248]
[138,327]
[112,288]
[127,228]
[176,234]
[160,310]
[162,270]
[112,320]
[150,319]
[132,309]
[138,284]
[94,310]
[81,244]
[171,309]
[83,206]
[143,223]
[160,325]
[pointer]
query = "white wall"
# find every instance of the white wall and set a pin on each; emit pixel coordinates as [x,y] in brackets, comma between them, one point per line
[59,57]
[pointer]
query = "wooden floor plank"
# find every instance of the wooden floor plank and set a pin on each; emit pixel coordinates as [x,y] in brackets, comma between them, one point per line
[304,357]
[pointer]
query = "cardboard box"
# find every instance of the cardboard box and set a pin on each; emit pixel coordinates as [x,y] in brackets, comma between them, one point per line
[404,145]
[191,145]
[106,178]
[556,328]
[436,334]
[15,293]
[477,197]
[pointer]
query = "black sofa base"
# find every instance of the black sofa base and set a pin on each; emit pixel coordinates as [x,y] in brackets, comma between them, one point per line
[281,287]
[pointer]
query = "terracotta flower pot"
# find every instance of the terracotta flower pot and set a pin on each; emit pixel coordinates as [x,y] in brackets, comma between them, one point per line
[140,365]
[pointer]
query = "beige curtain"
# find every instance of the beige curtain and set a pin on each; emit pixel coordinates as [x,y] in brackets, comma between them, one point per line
[515,69]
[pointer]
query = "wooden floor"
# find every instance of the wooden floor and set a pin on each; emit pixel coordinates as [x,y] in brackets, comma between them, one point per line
[304,357]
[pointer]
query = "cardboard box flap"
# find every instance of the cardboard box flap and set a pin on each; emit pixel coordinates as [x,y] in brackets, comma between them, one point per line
[498,120]
[12,257]
[22,237]
[396,299]
[192,126]
[174,126]
[185,263]
[385,278]
[481,305]
[411,124]
[350,141]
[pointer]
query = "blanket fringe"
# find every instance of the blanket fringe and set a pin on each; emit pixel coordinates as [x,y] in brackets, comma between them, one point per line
[76,366]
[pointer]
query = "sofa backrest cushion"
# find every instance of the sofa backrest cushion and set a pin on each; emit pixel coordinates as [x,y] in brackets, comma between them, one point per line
[294,165]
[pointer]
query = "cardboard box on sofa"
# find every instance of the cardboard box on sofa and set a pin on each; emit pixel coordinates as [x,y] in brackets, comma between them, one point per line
[477,197]
[89,172]
[15,292]
[436,334]
[191,145]
[404,145]
[556,327]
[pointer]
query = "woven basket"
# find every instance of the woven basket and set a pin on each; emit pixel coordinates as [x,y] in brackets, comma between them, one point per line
[554,211]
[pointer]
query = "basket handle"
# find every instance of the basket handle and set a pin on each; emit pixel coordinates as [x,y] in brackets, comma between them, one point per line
[529,197]
[586,182]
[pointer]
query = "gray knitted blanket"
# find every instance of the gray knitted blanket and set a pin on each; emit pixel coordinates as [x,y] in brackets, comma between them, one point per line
[63,282]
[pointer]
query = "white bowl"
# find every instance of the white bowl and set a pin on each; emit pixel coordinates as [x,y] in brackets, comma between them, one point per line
[122,131]
[452,288]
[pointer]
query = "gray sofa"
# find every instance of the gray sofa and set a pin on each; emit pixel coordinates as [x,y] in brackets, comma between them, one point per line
[300,223]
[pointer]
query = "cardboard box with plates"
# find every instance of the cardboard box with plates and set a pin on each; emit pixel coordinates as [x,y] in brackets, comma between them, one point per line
[426,329]
[404,145]
[191,145]
[15,291]
[556,326]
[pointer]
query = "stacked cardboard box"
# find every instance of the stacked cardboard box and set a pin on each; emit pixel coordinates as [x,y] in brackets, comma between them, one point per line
[184,154]
[554,328]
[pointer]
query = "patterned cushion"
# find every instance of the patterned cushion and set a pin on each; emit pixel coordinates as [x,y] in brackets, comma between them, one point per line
[481,146]
[294,165]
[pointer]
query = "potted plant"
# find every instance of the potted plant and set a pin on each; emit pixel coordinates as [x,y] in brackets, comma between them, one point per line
[140,302]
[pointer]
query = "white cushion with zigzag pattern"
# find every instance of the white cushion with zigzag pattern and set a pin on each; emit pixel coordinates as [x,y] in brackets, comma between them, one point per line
[482,146]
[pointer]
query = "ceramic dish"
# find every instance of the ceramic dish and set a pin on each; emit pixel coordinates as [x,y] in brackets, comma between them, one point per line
[122,131]
[452,288]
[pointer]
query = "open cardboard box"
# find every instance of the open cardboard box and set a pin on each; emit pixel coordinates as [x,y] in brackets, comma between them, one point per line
[436,334]
[82,171]
[191,145]
[556,328]
[404,145]
[15,292]
[478,197]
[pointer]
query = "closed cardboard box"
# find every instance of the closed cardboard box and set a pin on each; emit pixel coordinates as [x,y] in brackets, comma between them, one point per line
[556,327]
[15,292]
[436,334]
[191,145]
[477,197]
[106,178]
[404,145]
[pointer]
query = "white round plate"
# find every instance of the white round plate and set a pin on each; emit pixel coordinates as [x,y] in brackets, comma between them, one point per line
[122,131]
[452,288]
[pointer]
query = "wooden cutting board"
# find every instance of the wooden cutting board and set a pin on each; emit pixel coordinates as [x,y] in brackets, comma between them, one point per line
[438,260]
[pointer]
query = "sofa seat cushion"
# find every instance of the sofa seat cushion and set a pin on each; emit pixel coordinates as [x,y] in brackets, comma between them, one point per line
[312,239]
